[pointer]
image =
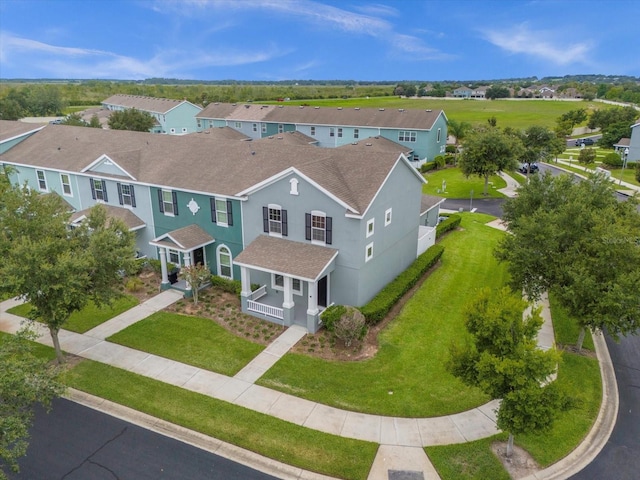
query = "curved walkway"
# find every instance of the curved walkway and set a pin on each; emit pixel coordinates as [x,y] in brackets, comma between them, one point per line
[401,439]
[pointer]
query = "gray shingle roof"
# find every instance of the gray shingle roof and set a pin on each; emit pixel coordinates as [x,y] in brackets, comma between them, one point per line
[300,260]
[416,119]
[184,239]
[427,202]
[129,218]
[148,104]
[10,129]
[201,164]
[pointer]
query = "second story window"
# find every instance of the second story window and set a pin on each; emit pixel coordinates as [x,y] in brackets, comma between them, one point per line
[126,195]
[318,227]
[99,190]
[406,136]
[255,127]
[66,184]
[332,132]
[274,220]
[356,133]
[339,133]
[168,202]
[280,128]
[313,131]
[221,212]
[42,181]
[264,128]
[439,135]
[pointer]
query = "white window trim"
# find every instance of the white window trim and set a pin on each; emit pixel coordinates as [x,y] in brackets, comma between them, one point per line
[387,216]
[175,252]
[220,247]
[62,183]
[439,135]
[356,133]
[273,206]
[126,195]
[281,289]
[263,128]
[98,189]
[339,132]
[164,203]
[238,125]
[368,256]
[44,179]
[318,213]
[226,213]
[371,224]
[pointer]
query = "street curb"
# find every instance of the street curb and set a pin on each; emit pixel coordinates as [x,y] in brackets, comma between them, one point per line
[196,439]
[601,430]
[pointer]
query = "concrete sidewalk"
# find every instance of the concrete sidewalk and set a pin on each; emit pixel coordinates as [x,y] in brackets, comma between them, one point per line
[512,185]
[401,439]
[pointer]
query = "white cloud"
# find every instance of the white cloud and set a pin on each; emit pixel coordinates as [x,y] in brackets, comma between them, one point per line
[542,44]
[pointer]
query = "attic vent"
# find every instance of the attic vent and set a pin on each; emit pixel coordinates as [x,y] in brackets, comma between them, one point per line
[354,143]
[216,103]
[339,108]
[279,138]
[401,109]
[280,106]
[316,108]
[381,109]
[368,144]
[428,110]
[357,108]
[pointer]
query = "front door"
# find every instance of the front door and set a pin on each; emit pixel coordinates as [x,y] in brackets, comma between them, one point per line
[322,292]
[198,256]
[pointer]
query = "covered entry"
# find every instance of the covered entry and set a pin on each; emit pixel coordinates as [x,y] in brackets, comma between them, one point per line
[293,280]
[182,247]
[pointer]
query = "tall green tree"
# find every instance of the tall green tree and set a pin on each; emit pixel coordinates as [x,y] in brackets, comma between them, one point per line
[458,130]
[75,120]
[502,359]
[131,119]
[56,269]
[95,122]
[488,151]
[538,144]
[25,380]
[577,240]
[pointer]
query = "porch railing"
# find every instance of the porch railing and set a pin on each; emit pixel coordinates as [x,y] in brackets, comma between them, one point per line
[268,310]
[258,293]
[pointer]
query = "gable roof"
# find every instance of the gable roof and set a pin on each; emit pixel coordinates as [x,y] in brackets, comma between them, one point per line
[11,129]
[197,163]
[289,138]
[130,219]
[184,239]
[148,104]
[357,117]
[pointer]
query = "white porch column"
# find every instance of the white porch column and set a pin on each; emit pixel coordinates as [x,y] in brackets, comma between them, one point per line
[288,293]
[245,279]
[312,300]
[187,263]
[163,265]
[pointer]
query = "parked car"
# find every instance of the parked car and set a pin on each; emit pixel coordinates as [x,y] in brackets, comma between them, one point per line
[584,141]
[526,168]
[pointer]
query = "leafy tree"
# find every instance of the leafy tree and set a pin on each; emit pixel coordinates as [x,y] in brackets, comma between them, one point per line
[58,270]
[45,100]
[131,119]
[587,156]
[95,122]
[10,109]
[538,144]
[75,120]
[577,240]
[604,118]
[503,360]
[197,276]
[25,380]
[492,121]
[487,152]
[613,133]
[497,91]
[566,121]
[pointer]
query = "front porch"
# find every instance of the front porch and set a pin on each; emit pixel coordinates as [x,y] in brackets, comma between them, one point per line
[269,307]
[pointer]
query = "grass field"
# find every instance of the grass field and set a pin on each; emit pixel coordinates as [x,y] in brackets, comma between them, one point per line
[408,376]
[513,113]
[459,186]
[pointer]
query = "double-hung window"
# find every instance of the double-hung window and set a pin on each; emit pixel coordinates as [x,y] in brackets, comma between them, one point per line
[280,128]
[356,133]
[255,127]
[42,181]
[168,202]
[221,212]
[318,227]
[126,195]
[65,180]
[332,132]
[339,133]
[99,190]
[313,131]
[274,220]
[406,136]
[277,283]
[263,127]
[238,125]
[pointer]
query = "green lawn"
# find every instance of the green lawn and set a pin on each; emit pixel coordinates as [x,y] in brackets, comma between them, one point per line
[566,328]
[90,316]
[283,441]
[408,377]
[458,186]
[518,114]
[196,341]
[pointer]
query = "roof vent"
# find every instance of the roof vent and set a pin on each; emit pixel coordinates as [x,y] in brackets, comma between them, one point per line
[401,109]
[316,108]
[301,106]
[381,109]
[354,143]
[247,106]
[280,106]
[357,108]
[339,108]
[279,138]
[368,144]
[428,110]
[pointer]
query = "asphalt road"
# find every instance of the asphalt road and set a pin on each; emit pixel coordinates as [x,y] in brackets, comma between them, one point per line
[74,442]
[492,206]
[620,458]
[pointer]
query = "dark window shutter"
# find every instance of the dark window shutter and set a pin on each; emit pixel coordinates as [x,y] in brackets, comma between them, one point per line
[175,202]
[229,213]
[160,202]
[120,194]
[212,201]
[265,219]
[104,191]
[93,189]
[329,231]
[133,196]
[285,225]
[307,226]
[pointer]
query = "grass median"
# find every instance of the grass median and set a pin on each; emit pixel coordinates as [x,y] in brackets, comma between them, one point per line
[459,186]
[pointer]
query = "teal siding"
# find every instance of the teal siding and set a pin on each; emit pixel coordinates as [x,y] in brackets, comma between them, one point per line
[230,236]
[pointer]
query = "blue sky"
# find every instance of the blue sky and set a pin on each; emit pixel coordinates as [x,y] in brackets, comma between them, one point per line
[271,40]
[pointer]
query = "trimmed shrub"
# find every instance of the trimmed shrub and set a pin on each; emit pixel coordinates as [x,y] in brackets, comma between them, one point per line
[331,315]
[587,156]
[439,161]
[351,326]
[450,149]
[447,225]
[612,160]
[427,167]
[379,306]
[226,285]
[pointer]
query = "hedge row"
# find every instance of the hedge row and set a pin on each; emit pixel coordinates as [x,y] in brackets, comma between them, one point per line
[379,306]
[447,225]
